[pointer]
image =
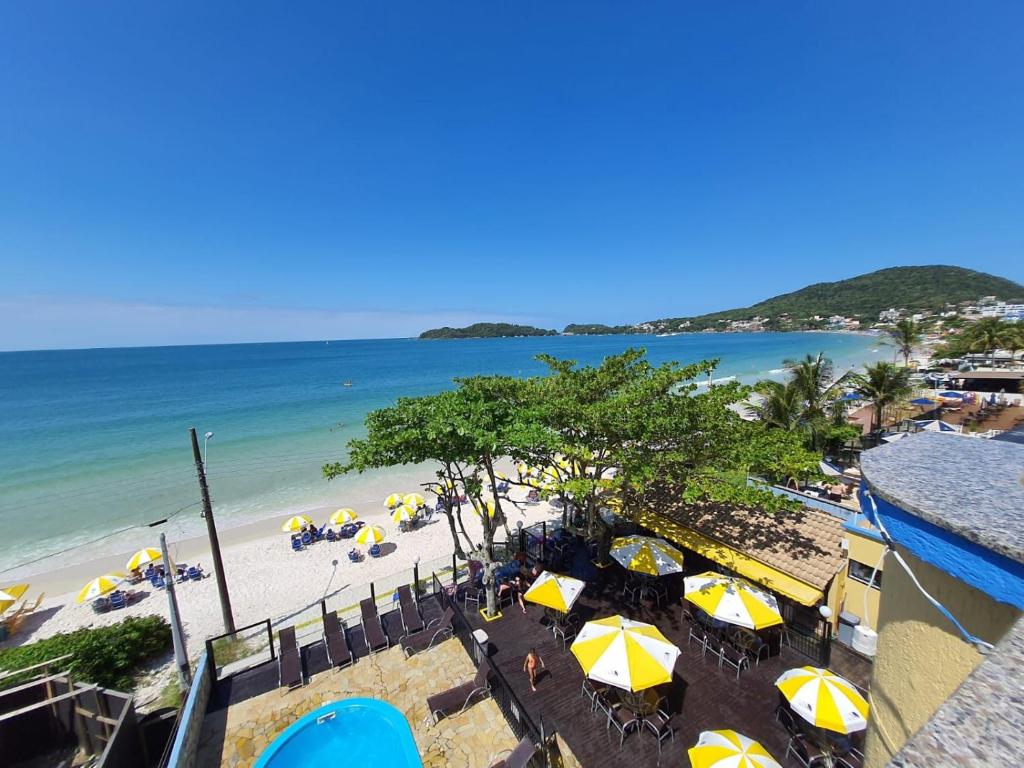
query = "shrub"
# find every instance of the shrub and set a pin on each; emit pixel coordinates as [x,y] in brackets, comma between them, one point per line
[108,656]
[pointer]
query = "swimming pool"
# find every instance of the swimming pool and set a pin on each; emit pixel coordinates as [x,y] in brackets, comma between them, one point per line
[349,732]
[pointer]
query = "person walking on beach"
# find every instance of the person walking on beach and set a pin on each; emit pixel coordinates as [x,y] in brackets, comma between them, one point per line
[530,666]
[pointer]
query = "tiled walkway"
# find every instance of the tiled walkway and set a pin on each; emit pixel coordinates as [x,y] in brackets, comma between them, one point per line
[235,736]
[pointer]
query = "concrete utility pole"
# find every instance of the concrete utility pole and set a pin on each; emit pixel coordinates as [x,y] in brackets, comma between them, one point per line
[211,529]
[180,651]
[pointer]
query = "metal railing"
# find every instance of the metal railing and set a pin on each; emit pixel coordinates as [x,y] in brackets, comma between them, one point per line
[511,707]
[243,649]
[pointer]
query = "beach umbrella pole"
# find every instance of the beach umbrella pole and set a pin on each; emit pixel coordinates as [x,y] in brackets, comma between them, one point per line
[211,529]
[177,636]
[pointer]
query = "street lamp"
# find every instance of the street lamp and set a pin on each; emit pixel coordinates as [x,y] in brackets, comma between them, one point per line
[206,440]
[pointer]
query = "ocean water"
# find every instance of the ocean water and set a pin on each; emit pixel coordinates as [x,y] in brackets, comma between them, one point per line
[95,441]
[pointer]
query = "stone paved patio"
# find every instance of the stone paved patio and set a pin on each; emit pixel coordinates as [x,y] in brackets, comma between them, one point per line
[235,737]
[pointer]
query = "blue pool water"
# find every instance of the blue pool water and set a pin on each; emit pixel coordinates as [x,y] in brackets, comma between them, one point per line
[349,732]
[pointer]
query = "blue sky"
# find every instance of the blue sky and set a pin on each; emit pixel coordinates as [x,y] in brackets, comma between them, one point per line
[200,172]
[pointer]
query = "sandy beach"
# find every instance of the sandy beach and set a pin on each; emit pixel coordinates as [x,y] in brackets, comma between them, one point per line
[266,579]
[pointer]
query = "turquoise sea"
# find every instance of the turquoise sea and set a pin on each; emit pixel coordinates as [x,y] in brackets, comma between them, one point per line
[93,441]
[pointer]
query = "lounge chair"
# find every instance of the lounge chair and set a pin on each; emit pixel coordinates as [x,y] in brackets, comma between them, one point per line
[437,630]
[117,600]
[195,573]
[297,544]
[375,550]
[338,652]
[354,555]
[158,582]
[519,757]
[289,662]
[331,536]
[456,700]
[410,613]
[307,539]
[373,632]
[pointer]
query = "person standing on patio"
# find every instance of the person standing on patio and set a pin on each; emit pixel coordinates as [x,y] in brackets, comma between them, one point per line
[530,666]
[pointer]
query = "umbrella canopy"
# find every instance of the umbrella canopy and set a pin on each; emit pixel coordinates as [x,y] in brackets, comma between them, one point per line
[10,595]
[895,436]
[100,586]
[143,558]
[829,470]
[413,500]
[848,397]
[295,523]
[732,600]
[489,506]
[922,401]
[342,516]
[824,699]
[728,749]
[624,653]
[394,500]
[403,514]
[934,425]
[646,554]
[951,396]
[370,534]
[554,591]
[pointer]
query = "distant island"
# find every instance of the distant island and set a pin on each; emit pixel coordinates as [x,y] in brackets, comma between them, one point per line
[859,303]
[486,331]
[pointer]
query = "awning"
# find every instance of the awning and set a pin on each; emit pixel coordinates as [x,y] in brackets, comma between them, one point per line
[734,560]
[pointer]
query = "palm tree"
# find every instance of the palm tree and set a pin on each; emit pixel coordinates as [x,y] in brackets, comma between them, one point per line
[906,335]
[989,334]
[781,408]
[801,404]
[885,384]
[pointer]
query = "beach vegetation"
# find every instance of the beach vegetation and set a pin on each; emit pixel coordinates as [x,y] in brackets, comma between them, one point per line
[486,331]
[110,656]
[886,385]
[905,335]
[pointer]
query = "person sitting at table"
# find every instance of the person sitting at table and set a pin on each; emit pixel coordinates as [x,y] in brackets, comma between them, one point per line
[515,586]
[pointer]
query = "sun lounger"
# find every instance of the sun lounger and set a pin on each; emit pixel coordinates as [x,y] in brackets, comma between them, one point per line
[519,757]
[373,632]
[410,613]
[338,652]
[297,544]
[437,630]
[117,600]
[456,700]
[331,536]
[375,550]
[354,555]
[307,539]
[195,573]
[289,662]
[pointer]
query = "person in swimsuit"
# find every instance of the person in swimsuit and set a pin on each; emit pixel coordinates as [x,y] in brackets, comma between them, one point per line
[530,666]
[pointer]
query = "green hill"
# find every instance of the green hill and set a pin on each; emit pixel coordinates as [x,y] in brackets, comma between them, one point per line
[485,331]
[862,297]
[597,329]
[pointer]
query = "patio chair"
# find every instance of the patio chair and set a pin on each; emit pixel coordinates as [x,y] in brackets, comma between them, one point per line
[659,723]
[338,652]
[409,612]
[738,660]
[700,634]
[519,757]
[624,721]
[437,630]
[289,662]
[456,700]
[807,754]
[784,716]
[472,594]
[713,643]
[567,630]
[373,632]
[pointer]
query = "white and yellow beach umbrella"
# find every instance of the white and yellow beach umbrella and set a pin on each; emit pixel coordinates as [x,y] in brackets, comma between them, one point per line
[728,749]
[489,505]
[10,595]
[403,514]
[624,653]
[394,500]
[108,582]
[413,500]
[646,554]
[143,557]
[370,534]
[295,523]
[554,591]
[342,516]
[732,600]
[824,699]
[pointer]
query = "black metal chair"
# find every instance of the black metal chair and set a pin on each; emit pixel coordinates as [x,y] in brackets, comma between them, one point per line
[659,723]
[738,660]
[623,720]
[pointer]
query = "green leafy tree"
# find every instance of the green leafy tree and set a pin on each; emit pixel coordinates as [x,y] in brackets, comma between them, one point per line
[805,403]
[989,334]
[885,385]
[905,335]
[781,406]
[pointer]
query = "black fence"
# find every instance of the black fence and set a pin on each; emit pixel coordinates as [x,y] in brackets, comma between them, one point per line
[511,707]
[243,649]
[808,634]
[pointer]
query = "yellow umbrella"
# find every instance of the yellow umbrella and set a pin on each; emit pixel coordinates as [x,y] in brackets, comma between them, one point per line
[100,586]
[624,653]
[413,500]
[404,513]
[143,558]
[490,509]
[645,554]
[824,699]
[554,591]
[295,523]
[342,516]
[10,595]
[370,534]
[728,749]
[501,475]
[394,500]
[732,600]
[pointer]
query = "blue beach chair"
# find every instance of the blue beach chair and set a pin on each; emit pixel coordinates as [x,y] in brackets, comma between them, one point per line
[354,555]
[195,574]
[375,550]
[297,545]
[117,600]
[331,536]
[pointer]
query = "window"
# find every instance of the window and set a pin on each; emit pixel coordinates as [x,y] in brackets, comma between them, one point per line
[862,573]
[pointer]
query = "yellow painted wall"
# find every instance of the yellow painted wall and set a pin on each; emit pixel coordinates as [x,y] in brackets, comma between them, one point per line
[868,551]
[921,657]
